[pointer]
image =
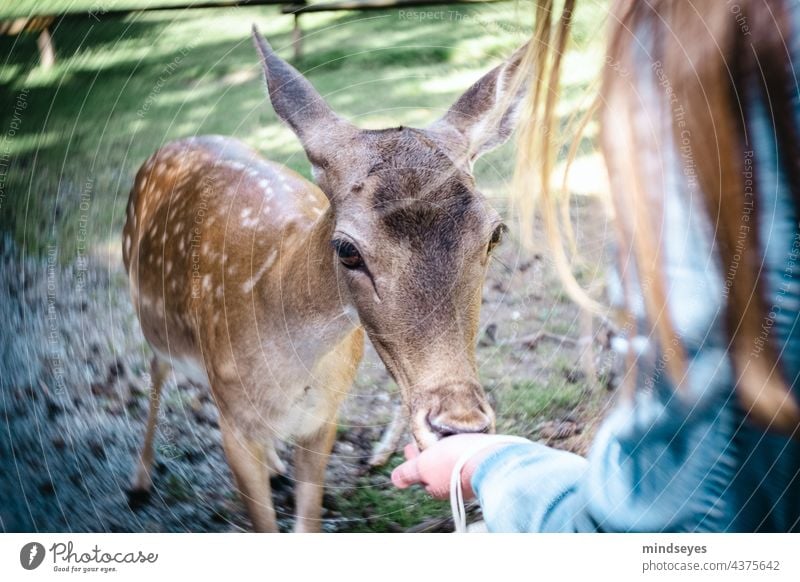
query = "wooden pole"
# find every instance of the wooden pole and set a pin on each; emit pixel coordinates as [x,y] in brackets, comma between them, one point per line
[47,53]
[297,38]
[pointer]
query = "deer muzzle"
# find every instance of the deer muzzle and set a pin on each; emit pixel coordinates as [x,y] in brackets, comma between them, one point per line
[454,408]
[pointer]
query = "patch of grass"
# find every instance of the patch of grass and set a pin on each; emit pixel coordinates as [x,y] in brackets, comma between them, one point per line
[528,400]
[337,58]
[561,323]
[177,487]
[374,505]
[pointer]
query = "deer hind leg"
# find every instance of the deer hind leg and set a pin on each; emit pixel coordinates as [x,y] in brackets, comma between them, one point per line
[142,481]
[311,460]
[247,459]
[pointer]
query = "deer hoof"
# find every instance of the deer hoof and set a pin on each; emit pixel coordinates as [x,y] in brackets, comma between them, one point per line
[142,482]
[380,456]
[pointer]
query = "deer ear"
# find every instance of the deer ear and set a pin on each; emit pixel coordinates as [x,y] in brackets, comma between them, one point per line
[295,100]
[484,117]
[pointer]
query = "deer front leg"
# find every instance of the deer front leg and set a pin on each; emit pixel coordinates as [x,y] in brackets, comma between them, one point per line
[246,457]
[311,460]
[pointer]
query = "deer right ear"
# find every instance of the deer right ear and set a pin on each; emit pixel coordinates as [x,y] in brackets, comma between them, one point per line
[296,101]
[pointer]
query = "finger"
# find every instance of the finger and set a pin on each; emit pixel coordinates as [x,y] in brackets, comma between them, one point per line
[406,474]
[411,451]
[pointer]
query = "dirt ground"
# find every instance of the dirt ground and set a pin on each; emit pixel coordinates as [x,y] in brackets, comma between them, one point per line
[74,396]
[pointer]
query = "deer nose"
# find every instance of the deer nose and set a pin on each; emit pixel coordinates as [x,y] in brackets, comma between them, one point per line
[446,424]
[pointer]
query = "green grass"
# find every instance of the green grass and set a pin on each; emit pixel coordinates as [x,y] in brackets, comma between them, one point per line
[177,487]
[530,399]
[374,505]
[123,87]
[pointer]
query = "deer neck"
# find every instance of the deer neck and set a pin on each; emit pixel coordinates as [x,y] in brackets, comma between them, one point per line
[309,298]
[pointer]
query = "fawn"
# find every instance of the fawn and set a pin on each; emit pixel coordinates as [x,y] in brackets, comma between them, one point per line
[259,284]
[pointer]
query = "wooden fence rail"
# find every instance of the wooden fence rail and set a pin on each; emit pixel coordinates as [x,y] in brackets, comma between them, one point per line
[43,23]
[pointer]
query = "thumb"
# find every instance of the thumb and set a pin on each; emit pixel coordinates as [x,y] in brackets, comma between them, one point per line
[406,474]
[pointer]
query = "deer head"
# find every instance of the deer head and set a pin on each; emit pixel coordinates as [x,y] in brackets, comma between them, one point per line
[412,235]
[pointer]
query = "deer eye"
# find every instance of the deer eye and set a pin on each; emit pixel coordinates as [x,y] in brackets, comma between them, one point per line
[497,237]
[348,254]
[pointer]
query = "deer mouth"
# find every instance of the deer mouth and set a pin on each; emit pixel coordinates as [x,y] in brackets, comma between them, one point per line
[430,425]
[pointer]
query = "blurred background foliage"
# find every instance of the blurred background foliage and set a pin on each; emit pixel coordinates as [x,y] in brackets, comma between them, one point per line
[123,86]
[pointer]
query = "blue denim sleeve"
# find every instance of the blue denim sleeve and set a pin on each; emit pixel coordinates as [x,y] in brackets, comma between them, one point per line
[525,488]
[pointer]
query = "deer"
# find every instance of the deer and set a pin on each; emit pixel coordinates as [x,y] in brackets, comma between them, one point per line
[259,284]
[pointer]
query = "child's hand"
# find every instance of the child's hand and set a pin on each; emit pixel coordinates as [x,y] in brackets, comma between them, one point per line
[433,467]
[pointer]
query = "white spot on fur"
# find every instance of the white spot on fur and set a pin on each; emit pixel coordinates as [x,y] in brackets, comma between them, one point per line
[248,285]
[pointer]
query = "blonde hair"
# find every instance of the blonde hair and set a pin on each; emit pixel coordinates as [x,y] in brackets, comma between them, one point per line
[705,61]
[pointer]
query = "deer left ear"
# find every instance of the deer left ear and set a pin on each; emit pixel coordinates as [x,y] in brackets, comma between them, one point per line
[485,116]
